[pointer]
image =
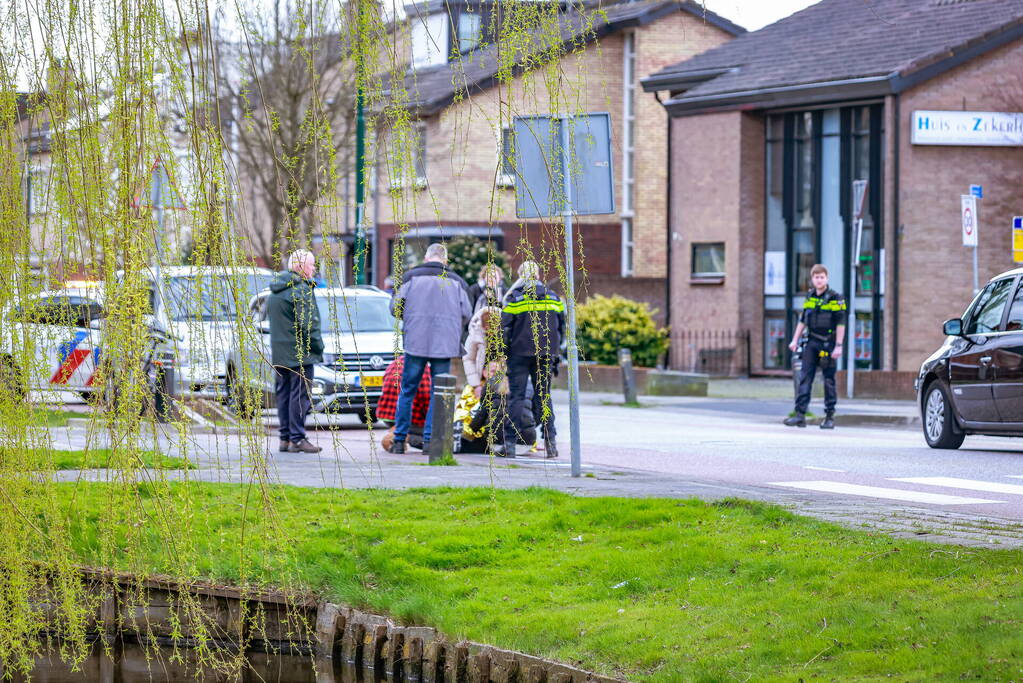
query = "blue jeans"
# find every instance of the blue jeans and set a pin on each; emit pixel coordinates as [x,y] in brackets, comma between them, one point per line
[291,386]
[411,376]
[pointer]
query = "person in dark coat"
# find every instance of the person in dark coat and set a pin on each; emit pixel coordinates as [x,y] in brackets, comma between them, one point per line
[533,324]
[295,346]
[488,290]
[433,305]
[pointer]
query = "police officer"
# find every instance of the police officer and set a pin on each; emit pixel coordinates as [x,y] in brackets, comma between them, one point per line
[823,318]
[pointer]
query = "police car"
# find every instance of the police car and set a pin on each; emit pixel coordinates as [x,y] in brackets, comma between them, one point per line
[51,341]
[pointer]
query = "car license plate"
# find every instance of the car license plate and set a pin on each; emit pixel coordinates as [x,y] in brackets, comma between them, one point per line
[373,381]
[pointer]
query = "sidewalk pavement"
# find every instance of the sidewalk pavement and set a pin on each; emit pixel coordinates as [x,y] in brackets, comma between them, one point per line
[768,400]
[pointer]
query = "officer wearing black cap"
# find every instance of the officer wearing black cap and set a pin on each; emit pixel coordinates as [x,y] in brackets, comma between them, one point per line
[823,318]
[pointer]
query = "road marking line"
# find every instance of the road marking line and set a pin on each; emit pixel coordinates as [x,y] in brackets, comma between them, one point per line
[968,484]
[879,492]
[821,469]
[1015,476]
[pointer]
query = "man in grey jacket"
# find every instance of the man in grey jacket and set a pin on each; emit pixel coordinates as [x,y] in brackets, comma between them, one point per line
[433,303]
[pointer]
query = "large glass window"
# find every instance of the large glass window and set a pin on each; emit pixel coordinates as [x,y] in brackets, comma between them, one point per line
[812,159]
[804,232]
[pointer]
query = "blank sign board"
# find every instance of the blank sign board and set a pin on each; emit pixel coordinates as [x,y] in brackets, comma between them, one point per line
[541,167]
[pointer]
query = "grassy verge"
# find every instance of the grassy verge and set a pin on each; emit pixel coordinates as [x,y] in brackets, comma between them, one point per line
[649,589]
[103,458]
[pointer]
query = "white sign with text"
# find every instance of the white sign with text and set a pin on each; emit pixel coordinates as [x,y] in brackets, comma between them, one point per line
[985,128]
[968,205]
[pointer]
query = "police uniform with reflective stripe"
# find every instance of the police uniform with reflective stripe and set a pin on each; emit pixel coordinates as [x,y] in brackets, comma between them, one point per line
[533,321]
[821,315]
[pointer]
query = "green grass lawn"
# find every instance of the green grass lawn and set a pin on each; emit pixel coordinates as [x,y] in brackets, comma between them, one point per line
[103,458]
[648,589]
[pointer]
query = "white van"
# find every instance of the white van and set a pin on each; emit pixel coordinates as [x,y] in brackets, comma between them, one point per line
[198,309]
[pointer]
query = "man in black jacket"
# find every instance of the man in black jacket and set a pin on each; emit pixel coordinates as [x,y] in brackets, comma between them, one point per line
[533,322]
[295,346]
[823,319]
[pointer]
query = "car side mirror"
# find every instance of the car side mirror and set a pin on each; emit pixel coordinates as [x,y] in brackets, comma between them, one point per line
[953,327]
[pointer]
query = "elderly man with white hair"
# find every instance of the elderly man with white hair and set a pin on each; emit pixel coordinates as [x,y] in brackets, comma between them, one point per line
[295,346]
[433,303]
[533,322]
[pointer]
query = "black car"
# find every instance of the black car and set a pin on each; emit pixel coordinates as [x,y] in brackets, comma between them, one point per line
[973,384]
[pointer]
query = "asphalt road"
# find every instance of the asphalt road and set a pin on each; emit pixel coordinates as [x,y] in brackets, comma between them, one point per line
[743,443]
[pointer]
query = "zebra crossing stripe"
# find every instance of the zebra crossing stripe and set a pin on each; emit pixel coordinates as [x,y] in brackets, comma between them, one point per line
[968,484]
[881,492]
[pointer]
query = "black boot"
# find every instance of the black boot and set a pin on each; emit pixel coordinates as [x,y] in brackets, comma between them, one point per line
[797,420]
[829,420]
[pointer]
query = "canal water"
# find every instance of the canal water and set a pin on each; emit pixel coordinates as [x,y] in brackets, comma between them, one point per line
[132,663]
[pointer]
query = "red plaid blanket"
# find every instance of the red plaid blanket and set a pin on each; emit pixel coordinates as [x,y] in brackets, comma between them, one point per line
[388,405]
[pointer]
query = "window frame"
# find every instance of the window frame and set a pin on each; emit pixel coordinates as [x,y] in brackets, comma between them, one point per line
[707,276]
[505,143]
[415,180]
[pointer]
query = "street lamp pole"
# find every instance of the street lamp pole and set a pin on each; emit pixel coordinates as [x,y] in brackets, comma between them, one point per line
[359,265]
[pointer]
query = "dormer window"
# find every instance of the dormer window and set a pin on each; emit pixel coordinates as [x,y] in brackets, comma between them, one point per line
[442,31]
[470,27]
[430,40]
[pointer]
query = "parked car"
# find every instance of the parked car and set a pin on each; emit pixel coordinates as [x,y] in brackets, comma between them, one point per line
[359,339]
[199,312]
[53,341]
[973,384]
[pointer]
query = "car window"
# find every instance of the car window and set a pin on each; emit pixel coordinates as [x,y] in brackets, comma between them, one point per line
[60,311]
[986,315]
[1014,323]
[355,313]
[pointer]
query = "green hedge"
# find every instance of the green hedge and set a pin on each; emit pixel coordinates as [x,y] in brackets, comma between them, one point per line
[606,324]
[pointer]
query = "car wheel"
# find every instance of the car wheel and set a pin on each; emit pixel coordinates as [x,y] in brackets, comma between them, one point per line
[242,400]
[939,427]
[369,420]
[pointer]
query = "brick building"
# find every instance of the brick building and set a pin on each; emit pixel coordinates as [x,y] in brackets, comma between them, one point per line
[768,133]
[458,181]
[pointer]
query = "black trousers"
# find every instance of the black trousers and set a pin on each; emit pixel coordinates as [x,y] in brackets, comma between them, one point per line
[292,386]
[811,358]
[539,369]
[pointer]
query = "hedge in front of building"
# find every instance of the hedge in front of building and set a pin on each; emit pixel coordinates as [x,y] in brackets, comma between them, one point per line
[606,324]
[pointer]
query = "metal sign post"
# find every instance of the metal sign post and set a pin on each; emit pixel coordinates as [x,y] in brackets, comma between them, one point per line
[563,168]
[968,207]
[859,195]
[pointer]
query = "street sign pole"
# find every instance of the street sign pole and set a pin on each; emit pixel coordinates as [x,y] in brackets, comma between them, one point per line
[359,262]
[573,347]
[563,172]
[971,226]
[859,195]
[156,199]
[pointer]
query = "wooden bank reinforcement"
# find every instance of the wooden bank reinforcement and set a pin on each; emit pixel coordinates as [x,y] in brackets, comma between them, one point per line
[153,610]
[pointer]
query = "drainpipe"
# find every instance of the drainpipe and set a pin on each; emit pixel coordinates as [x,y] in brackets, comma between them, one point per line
[667,279]
[898,235]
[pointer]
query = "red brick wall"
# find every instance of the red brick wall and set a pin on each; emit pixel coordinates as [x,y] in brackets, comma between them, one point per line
[935,270]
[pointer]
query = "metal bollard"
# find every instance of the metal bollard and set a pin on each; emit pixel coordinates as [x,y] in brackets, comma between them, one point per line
[628,376]
[445,394]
